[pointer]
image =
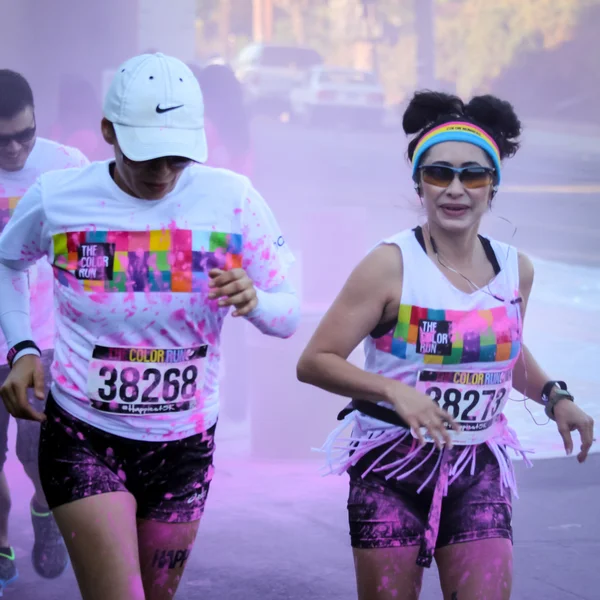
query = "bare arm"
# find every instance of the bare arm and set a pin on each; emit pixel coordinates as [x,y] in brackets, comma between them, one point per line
[529,379]
[354,314]
[372,289]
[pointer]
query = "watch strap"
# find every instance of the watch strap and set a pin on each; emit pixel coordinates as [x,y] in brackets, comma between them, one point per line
[10,357]
[554,399]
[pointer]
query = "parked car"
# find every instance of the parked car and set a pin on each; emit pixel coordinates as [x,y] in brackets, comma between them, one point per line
[269,72]
[329,94]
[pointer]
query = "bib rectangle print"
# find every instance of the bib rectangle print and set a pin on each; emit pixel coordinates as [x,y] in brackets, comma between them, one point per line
[146,381]
[475,399]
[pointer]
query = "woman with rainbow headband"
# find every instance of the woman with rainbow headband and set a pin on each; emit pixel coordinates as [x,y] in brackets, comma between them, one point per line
[440,309]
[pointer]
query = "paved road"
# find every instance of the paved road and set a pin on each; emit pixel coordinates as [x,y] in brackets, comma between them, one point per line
[277,531]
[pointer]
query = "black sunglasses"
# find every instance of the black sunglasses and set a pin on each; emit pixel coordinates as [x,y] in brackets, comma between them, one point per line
[472,177]
[21,137]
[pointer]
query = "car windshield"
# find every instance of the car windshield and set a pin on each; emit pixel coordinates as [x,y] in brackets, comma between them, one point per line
[290,58]
[347,78]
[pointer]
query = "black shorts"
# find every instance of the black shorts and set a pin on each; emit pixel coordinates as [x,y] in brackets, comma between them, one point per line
[169,480]
[28,432]
[388,513]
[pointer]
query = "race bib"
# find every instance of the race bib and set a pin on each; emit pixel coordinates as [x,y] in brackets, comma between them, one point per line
[144,381]
[475,400]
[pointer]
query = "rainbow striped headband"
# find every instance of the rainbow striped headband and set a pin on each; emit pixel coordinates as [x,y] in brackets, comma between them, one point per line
[457,131]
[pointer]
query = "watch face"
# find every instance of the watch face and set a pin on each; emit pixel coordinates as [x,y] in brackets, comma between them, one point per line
[561,394]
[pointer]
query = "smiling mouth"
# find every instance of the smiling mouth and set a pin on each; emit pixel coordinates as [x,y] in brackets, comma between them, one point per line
[454,207]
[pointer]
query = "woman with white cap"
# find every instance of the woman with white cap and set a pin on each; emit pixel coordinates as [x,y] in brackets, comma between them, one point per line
[150,252]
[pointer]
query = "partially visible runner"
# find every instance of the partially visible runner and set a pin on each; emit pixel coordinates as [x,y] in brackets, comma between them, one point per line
[440,309]
[150,252]
[23,158]
[227,123]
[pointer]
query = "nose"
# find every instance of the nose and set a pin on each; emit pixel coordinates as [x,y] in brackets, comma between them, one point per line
[455,188]
[160,167]
[13,148]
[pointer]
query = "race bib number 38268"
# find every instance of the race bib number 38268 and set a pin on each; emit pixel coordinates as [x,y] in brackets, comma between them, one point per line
[473,399]
[143,381]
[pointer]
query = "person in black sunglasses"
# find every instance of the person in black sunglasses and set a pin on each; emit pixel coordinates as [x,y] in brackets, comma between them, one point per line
[23,157]
[440,309]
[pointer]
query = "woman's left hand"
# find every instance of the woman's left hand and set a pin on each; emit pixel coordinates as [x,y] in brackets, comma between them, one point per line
[569,417]
[234,288]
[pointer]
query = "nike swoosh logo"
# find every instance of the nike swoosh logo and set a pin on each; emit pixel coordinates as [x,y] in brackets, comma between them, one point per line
[160,110]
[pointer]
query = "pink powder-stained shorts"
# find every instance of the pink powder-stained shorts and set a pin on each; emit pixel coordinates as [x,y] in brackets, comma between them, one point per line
[169,480]
[390,513]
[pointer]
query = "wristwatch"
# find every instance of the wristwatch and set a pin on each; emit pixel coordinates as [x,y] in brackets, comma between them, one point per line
[552,393]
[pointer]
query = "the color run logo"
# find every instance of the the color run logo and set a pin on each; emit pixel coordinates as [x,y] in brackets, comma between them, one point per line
[95,261]
[434,338]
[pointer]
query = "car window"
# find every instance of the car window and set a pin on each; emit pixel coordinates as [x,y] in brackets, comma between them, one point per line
[248,55]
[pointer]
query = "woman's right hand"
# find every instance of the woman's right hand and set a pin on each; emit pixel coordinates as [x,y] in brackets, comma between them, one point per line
[420,411]
[27,372]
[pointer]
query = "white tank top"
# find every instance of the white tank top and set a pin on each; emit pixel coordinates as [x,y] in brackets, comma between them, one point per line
[460,348]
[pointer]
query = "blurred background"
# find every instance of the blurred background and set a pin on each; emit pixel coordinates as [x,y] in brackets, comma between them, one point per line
[306,97]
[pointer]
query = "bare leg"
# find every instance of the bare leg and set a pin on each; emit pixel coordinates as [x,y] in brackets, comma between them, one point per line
[164,551]
[49,555]
[480,570]
[101,536]
[388,573]
[5,504]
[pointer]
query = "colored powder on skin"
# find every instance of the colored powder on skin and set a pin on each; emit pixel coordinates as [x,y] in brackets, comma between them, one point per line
[136,588]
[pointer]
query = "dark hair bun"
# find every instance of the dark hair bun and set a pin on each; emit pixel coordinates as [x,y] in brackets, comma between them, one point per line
[426,108]
[429,109]
[499,118]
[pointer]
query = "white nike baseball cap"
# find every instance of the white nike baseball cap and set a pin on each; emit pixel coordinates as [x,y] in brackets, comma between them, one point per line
[156,106]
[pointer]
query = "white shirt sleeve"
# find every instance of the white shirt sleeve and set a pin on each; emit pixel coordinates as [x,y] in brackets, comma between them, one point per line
[21,246]
[24,241]
[266,256]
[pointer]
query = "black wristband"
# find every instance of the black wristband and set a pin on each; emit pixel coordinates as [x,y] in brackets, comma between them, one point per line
[547,389]
[18,347]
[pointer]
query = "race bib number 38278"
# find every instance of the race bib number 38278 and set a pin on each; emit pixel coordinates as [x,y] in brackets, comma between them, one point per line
[143,381]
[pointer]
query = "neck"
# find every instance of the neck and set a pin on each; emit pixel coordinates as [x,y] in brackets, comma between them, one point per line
[114,173]
[459,248]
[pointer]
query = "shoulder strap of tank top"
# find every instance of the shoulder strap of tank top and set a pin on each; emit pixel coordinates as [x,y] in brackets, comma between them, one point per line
[490,254]
[485,242]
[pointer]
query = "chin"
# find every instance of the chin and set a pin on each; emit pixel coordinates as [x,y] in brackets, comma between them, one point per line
[152,194]
[12,165]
